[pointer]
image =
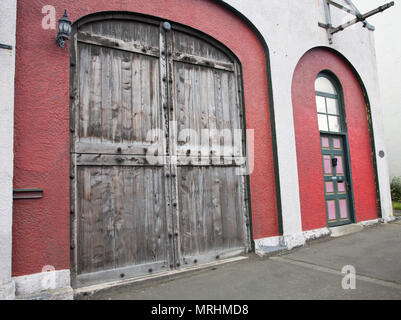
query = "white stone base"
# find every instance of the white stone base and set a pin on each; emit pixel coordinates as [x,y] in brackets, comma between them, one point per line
[7,290]
[370,223]
[267,242]
[316,234]
[341,231]
[389,219]
[51,285]
[293,241]
[266,246]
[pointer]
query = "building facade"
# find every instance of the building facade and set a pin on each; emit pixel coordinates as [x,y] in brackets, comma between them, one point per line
[168,134]
[389,66]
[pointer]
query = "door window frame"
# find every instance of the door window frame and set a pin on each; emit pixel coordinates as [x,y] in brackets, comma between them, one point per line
[343,134]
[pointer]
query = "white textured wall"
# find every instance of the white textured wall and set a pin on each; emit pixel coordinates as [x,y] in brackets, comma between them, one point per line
[7,67]
[388,51]
[290,30]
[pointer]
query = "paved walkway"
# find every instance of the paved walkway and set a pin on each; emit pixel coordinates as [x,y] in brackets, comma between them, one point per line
[311,272]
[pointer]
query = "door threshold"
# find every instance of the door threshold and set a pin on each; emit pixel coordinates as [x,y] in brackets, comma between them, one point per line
[344,230]
[98,287]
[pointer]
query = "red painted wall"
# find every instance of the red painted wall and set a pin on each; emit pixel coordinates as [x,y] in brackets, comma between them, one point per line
[310,170]
[41,231]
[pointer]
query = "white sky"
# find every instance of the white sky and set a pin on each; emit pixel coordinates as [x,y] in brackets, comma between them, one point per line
[388,51]
[388,43]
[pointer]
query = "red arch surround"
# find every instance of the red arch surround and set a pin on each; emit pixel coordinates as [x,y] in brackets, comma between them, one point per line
[41,231]
[310,172]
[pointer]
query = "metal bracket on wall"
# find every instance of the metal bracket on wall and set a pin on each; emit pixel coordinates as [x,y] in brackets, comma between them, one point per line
[5,46]
[352,9]
[22,194]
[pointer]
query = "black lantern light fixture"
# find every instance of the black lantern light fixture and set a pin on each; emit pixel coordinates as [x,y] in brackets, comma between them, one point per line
[64,30]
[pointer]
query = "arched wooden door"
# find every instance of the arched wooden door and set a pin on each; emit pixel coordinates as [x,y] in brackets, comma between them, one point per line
[157,148]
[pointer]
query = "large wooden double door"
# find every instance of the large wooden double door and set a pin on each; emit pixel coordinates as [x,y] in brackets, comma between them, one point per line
[157,150]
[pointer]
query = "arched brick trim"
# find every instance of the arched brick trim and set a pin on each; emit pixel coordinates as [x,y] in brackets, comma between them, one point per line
[308,138]
[41,232]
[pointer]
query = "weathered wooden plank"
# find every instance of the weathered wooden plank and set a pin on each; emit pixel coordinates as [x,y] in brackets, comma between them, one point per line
[199,215]
[185,186]
[116,89]
[152,235]
[182,160]
[236,119]
[83,227]
[92,257]
[84,90]
[173,133]
[207,222]
[124,217]
[114,160]
[117,148]
[126,65]
[107,216]
[74,92]
[165,103]
[106,96]
[128,272]
[186,43]
[155,104]
[95,101]
[137,99]
[230,210]
[146,112]
[212,117]
[227,117]
[204,62]
[180,102]
[193,218]
[242,210]
[204,115]
[218,104]
[73,218]
[117,44]
[140,215]
[213,255]
[196,117]
[159,223]
[74,136]
[216,205]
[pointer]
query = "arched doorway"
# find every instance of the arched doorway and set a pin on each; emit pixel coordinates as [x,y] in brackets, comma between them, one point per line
[153,189]
[332,121]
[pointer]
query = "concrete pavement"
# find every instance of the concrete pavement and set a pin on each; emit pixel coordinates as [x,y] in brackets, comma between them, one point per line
[311,272]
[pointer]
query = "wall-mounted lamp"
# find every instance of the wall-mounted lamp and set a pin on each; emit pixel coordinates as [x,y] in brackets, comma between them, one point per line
[64,30]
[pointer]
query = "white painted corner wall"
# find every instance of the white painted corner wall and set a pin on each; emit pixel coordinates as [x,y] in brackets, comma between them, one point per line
[290,29]
[7,72]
